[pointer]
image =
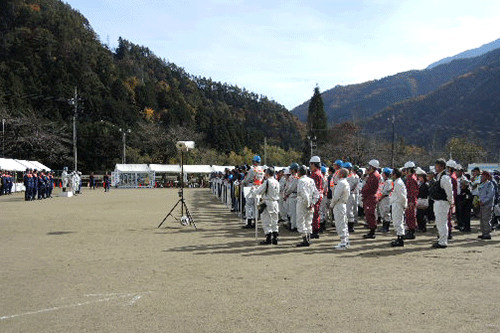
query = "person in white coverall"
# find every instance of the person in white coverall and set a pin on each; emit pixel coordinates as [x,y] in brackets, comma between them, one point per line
[442,194]
[270,192]
[340,197]
[307,196]
[253,177]
[384,205]
[352,203]
[291,196]
[284,174]
[399,201]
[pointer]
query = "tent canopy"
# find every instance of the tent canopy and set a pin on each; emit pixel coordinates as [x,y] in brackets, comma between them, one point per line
[132,168]
[11,165]
[198,169]
[165,168]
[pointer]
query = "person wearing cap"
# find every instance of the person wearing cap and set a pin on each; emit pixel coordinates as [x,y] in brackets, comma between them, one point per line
[412,190]
[323,209]
[26,181]
[369,193]
[336,166]
[341,194]
[254,176]
[486,199]
[398,201]
[451,166]
[307,197]
[422,200]
[315,167]
[442,193]
[283,175]
[270,192]
[384,205]
[464,206]
[291,196]
[352,203]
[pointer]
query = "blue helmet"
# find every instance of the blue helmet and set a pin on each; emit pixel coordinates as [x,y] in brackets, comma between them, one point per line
[323,169]
[294,166]
[256,158]
[347,165]
[387,171]
[339,163]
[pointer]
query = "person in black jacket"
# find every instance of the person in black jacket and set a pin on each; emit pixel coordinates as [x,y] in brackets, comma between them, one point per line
[422,202]
[464,201]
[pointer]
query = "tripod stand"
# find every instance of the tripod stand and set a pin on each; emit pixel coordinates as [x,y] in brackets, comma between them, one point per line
[181,201]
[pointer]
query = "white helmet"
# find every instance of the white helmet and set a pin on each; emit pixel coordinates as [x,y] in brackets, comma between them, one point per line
[409,165]
[287,171]
[451,164]
[374,163]
[459,167]
[419,171]
[315,159]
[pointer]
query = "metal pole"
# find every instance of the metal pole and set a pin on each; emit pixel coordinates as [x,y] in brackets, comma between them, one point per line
[124,159]
[74,129]
[3,138]
[265,151]
[393,139]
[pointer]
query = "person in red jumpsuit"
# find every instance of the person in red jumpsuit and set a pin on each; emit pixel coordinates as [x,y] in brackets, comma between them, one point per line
[451,165]
[369,193]
[412,190]
[315,166]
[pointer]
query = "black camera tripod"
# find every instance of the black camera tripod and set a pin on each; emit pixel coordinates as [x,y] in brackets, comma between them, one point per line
[181,200]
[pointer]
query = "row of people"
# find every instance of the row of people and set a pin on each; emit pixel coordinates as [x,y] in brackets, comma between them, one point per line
[6,182]
[404,197]
[39,184]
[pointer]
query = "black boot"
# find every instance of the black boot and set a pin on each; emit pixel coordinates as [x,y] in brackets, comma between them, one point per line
[350,227]
[275,238]
[410,234]
[305,241]
[249,224]
[398,242]
[267,241]
[370,234]
[315,234]
[322,227]
[385,226]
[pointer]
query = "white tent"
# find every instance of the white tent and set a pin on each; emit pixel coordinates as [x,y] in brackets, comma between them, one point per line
[40,166]
[11,165]
[133,176]
[219,168]
[132,168]
[165,168]
[198,169]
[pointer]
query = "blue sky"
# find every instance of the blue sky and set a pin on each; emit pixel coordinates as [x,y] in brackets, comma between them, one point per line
[282,49]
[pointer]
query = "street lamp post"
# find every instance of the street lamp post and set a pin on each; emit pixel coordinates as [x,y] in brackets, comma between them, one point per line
[124,132]
[74,101]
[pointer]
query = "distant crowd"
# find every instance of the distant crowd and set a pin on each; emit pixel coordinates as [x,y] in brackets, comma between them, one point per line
[307,199]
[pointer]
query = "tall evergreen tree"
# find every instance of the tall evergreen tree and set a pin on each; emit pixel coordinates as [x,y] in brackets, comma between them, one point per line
[317,123]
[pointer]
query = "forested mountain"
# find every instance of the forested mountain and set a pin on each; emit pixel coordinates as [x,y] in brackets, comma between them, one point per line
[469,53]
[47,49]
[360,101]
[468,106]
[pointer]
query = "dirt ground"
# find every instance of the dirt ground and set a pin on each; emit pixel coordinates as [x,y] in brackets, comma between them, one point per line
[98,263]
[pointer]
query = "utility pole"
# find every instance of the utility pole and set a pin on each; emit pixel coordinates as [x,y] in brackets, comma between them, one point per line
[124,156]
[393,120]
[312,141]
[74,101]
[3,138]
[265,151]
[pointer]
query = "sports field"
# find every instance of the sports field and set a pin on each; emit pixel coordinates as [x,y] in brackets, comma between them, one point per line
[97,263]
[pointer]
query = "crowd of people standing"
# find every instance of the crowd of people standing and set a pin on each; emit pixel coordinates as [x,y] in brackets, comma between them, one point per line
[306,199]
